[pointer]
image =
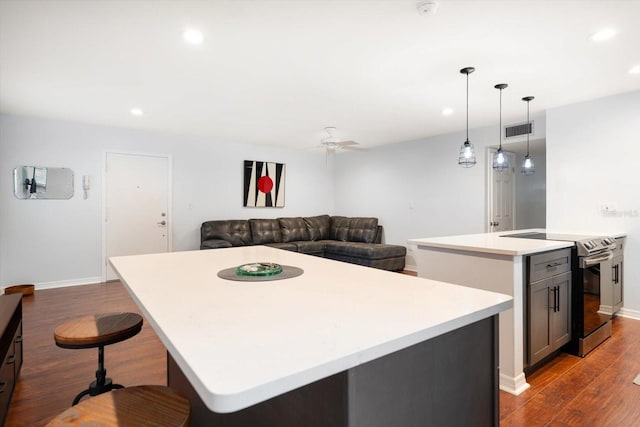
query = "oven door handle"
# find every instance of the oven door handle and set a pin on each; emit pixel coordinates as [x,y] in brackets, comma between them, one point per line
[589,261]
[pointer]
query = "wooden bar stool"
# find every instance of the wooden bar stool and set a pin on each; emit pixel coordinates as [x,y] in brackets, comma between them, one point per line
[97,331]
[146,405]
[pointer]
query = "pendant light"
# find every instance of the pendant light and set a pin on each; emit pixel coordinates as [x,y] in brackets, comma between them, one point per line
[528,167]
[467,157]
[500,160]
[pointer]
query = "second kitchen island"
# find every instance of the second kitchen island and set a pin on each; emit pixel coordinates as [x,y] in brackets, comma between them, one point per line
[490,262]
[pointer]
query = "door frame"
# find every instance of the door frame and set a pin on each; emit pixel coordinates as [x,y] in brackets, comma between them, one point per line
[512,158]
[103,219]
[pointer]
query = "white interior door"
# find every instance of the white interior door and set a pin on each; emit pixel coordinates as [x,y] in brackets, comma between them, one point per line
[501,194]
[137,192]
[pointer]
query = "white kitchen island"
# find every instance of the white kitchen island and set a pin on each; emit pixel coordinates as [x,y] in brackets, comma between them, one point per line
[490,262]
[340,345]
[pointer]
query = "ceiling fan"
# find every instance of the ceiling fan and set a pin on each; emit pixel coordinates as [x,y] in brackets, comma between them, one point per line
[332,143]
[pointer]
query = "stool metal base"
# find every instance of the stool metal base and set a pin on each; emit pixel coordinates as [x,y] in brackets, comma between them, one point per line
[102,384]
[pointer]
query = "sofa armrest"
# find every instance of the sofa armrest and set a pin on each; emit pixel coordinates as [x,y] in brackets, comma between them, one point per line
[215,244]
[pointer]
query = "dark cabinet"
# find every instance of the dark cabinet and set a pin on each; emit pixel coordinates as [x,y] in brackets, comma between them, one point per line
[612,280]
[617,270]
[617,274]
[548,311]
[10,348]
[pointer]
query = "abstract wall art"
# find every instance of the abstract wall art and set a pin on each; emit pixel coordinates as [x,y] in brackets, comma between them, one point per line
[263,184]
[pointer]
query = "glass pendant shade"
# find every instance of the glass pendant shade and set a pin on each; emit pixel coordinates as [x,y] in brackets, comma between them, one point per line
[528,166]
[467,156]
[500,159]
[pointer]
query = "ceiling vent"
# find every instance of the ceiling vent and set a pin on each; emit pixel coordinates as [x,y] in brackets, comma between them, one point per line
[515,131]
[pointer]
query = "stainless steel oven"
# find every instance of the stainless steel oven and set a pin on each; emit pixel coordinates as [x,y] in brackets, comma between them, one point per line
[591,326]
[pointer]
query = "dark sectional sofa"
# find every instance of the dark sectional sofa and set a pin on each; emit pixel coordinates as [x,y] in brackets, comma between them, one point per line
[356,240]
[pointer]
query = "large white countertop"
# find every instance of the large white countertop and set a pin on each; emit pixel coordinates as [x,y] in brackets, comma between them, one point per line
[492,243]
[241,343]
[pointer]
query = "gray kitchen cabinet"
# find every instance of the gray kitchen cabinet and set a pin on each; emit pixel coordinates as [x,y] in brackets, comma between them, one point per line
[548,322]
[617,273]
[613,280]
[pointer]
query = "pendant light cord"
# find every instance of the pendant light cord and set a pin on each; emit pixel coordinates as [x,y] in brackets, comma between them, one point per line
[528,128]
[467,107]
[500,128]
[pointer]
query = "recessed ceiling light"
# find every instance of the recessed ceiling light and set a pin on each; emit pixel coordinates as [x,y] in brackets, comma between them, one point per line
[136,112]
[604,34]
[447,111]
[193,36]
[635,69]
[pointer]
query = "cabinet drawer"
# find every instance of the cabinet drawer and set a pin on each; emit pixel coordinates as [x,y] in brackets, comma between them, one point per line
[17,347]
[7,377]
[547,264]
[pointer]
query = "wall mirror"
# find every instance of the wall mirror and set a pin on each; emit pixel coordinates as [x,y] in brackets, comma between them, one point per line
[37,182]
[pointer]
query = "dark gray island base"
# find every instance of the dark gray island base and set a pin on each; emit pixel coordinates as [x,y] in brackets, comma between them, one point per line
[449,380]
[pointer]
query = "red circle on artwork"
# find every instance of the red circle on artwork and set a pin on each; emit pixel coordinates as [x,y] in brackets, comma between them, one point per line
[265,184]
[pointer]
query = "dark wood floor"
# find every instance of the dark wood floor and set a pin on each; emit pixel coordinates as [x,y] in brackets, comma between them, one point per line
[51,376]
[569,391]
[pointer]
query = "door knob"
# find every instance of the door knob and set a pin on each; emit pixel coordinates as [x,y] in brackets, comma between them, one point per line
[163,222]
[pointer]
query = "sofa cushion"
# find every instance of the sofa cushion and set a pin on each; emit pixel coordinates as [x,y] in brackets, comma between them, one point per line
[286,246]
[340,228]
[215,244]
[312,247]
[319,227]
[236,232]
[365,250]
[265,231]
[293,229]
[362,230]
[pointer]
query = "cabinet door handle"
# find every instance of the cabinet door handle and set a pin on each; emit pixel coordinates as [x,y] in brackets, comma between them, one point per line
[555,264]
[556,299]
[11,359]
[18,339]
[3,385]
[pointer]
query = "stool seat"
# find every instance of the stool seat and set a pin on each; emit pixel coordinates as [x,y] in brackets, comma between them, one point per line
[146,405]
[97,330]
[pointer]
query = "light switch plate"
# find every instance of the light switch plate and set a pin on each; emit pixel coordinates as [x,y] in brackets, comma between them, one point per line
[637,380]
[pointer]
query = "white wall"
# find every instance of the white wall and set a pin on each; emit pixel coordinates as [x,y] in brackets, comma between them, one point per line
[50,242]
[417,189]
[592,157]
[531,190]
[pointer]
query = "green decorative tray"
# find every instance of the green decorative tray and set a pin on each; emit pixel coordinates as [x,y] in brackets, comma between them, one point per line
[259,269]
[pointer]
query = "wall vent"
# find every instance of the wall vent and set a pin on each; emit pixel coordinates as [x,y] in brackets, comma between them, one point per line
[519,129]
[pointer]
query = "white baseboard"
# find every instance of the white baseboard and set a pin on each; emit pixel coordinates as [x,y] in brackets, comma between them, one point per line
[631,314]
[513,385]
[65,283]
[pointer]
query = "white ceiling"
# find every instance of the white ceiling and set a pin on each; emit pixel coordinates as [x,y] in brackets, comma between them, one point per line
[278,72]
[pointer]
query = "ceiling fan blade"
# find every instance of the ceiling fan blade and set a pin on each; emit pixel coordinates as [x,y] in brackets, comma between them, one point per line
[346,143]
[355,148]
